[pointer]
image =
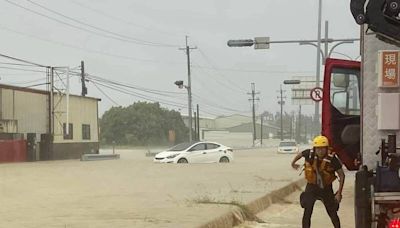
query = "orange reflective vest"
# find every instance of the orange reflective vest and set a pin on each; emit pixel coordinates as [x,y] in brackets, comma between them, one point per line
[325,172]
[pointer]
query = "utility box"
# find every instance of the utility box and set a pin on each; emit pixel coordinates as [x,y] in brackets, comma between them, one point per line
[388,111]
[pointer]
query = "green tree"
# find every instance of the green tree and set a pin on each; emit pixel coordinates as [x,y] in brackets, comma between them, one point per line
[141,123]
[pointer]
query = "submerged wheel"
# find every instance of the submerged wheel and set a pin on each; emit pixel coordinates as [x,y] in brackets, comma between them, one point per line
[224,160]
[182,160]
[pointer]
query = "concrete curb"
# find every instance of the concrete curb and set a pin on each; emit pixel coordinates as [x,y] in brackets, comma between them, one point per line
[98,157]
[238,215]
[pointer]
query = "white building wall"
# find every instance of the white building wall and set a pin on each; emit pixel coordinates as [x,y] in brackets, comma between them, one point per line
[231,121]
[81,111]
[29,109]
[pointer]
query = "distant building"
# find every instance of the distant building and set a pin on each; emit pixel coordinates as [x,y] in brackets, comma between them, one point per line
[235,123]
[224,122]
[268,131]
[27,112]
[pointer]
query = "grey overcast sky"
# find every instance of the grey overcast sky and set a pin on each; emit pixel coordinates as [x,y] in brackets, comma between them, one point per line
[123,46]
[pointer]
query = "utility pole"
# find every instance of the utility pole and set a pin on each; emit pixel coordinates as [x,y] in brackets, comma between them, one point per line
[261,131]
[281,102]
[305,132]
[253,99]
[83,82]
[291,125]
[189,86]
[298,132]
[195,126]
[198,123]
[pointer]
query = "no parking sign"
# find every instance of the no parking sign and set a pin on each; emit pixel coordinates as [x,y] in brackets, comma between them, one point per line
[316,94]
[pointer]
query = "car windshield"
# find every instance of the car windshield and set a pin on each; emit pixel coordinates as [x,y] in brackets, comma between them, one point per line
[180,147]
[287,144]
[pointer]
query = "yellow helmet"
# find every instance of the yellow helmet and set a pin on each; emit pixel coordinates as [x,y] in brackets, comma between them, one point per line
[320,141]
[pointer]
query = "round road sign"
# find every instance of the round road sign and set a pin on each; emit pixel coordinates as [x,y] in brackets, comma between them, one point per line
[316,94]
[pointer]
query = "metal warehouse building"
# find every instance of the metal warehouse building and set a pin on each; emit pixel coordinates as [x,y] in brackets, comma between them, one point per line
[40,118]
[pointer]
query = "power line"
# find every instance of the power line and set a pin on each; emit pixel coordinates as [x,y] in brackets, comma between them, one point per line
[219,82]
[22,69]
[119,89]
[218,106]
[46,83]
[152,91]
[16,64]
[21,60]
[130,58]
[100,29]
[87,30]
[101,91]
[163,93]
[212,92]
[30,86]
[28,82]
[87,49]
[142,96]
[120,19]
[214,67]
[211,113]
[250,71]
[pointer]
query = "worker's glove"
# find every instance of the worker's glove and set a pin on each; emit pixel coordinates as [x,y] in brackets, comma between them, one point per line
[338,197]
[295,166]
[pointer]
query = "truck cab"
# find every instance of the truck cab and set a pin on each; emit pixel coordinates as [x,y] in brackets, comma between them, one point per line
[341,109]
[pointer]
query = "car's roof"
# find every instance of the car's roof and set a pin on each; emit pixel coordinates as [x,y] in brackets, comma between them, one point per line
[205,142]
[194,142]
[287,142]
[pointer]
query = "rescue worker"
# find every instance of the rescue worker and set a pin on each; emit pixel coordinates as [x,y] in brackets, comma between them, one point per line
[320,167]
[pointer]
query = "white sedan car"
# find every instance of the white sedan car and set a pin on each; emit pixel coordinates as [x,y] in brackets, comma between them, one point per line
[196,152]
[288,147]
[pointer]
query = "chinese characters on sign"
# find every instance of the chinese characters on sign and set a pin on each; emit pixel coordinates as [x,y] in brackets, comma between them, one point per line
[388,68]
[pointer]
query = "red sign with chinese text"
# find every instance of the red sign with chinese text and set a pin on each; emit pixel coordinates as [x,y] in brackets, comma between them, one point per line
[390,68]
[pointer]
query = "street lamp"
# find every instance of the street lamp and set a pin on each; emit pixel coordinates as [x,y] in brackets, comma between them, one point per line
[291,82]
[180,86]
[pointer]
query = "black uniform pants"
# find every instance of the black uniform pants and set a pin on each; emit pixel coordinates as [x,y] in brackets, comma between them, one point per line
[314,193]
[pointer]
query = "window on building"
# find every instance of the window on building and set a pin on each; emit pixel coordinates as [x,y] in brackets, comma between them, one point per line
[70,134]
[85,131]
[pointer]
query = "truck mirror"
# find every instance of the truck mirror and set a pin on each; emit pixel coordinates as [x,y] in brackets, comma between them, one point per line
[340,80]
